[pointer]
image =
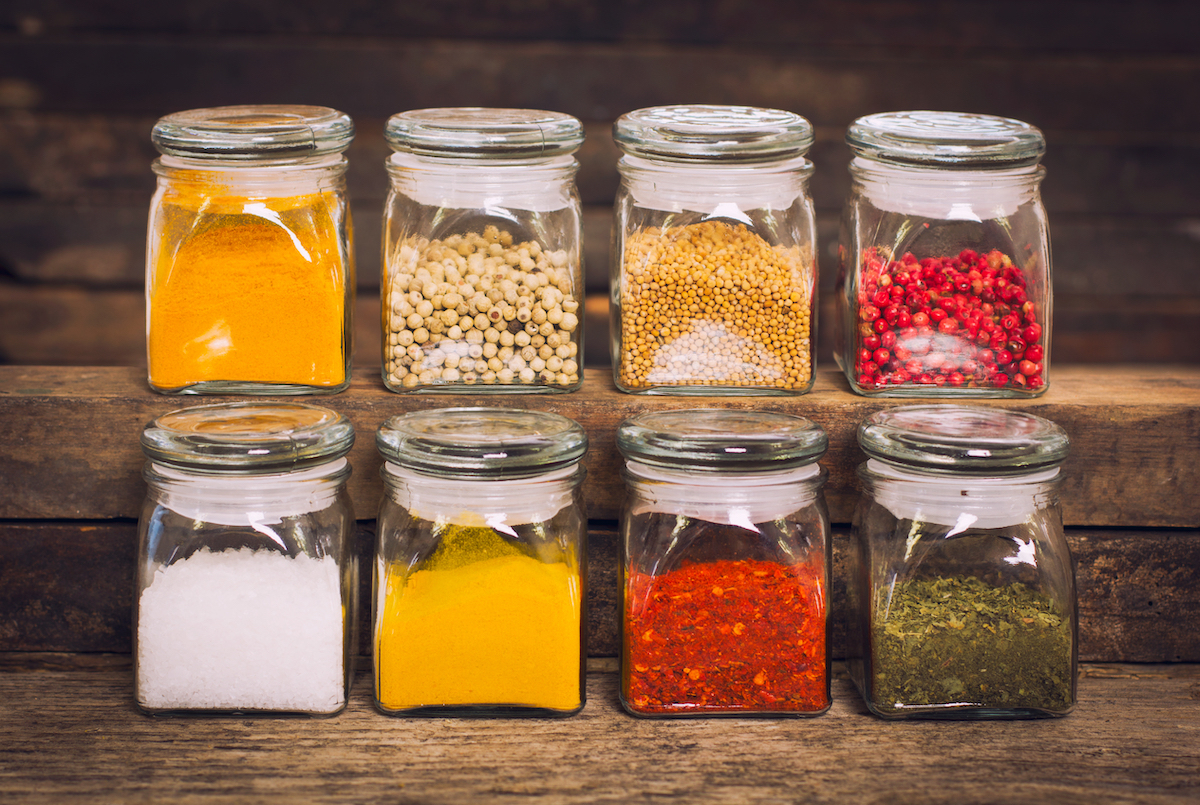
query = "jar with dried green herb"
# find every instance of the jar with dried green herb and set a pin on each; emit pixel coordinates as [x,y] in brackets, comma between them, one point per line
[962,591]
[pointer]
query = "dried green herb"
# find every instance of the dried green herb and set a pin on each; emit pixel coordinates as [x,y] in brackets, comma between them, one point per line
[961,642]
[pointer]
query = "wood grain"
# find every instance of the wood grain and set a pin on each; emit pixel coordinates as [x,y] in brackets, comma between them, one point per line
[68,736]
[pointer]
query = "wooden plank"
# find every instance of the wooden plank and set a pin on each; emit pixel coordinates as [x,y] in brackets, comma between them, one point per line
[70,447]
[156,75]
[995,25]
[67,587]
[68,735]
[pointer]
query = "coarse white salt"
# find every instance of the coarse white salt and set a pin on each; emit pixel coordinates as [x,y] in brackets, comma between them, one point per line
[242,629]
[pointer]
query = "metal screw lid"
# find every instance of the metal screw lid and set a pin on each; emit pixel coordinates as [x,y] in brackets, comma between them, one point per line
[497,443]
[946,139]
[963,439]
[249,133]
[700,132]
[248,437]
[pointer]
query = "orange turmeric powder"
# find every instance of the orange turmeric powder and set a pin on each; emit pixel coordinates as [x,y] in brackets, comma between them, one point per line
[247,290]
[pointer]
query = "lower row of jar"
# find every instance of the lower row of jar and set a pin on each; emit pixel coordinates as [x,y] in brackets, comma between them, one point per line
[960,591]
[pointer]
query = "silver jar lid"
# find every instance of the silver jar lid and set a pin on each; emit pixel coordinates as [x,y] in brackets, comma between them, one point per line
[250,133]
[499,443]
[247,437]
[946,139]
[721,440]
[702,132]
[484,133]
[968,439]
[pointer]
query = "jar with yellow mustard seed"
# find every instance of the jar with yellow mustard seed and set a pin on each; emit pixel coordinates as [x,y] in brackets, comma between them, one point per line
[714,265]
[480,564]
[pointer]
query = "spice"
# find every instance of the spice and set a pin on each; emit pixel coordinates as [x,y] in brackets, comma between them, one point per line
[728,635]
[965,321]
[247,289]
[481,622]
[962,642]
[714,304]
[242,630]
[480,309]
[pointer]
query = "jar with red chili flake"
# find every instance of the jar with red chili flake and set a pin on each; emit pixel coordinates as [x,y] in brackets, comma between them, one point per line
[725,574]
[943,286]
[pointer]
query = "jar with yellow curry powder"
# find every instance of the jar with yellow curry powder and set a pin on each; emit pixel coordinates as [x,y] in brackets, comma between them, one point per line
[480,564]
[482,282]
[249,259]
[714,266]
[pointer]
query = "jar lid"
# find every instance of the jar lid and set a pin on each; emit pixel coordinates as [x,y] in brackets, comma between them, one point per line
[963,439]
[498,443]
[248,437]
[485,133]
[698,132]
[248,133]
[721,440]
[946,139]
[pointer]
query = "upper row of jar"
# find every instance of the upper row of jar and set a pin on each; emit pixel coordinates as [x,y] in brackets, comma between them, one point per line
[943,283]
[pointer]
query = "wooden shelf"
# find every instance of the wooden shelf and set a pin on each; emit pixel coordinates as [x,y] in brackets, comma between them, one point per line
[69,447]
[72,735]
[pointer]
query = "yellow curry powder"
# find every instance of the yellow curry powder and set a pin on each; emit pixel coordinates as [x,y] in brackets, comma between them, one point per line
[481,623]
[248,290]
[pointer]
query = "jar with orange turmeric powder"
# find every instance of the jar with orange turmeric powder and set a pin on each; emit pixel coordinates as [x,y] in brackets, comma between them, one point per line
[714,267]
[249,258]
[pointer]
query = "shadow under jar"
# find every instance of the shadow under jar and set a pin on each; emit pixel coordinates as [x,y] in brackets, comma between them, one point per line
[961,585]
[247,580]
[713,282]
[249,257]
[943,286]
[482,285]
[725,574]
[480,565]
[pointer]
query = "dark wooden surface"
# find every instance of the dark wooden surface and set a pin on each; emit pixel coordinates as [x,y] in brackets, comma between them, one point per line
[69,736]
[81,85]
[69,443]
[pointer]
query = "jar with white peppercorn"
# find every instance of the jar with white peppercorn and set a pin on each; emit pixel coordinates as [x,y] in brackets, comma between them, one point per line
[482,283]
[714,267]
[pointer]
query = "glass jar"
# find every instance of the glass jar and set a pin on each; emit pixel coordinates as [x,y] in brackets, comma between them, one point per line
[962,588]
[482,281]
[943,287]
[480,564]
[725,575]
[247,579]
[249,258]
[714,268]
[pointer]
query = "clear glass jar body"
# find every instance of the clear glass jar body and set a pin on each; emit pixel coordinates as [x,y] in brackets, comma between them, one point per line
[482,285]
[961,595]
[713,282]
[724,576]
[480,592]
[250,263]
[246,592]
[944,284]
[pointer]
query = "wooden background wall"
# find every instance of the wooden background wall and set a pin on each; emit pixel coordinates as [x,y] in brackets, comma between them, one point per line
[1112,83]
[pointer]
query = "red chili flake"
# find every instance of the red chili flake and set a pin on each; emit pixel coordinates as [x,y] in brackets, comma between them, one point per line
[970,323]
[754,640]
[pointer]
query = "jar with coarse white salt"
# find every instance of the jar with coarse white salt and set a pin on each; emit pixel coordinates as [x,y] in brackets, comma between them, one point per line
[961,587]
[245,597]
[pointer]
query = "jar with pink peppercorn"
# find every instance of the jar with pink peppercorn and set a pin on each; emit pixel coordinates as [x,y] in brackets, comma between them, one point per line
[943,287]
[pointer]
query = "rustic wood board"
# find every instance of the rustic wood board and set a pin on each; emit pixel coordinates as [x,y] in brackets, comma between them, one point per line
[69,735]
[68,587]
[69,443]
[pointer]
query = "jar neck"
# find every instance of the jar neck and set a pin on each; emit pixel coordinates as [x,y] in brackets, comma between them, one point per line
[959,501]
[268,177]
[241,499]
[719,497]
[494,502]
[539,185]
[946,194]
[714,188]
